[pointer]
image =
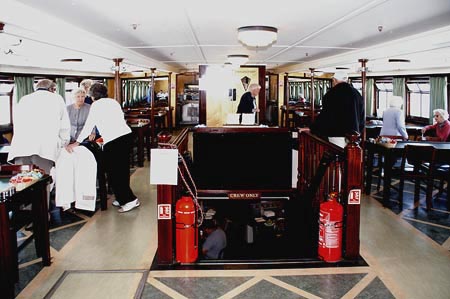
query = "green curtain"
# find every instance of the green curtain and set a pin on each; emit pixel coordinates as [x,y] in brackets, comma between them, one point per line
[438,94]
[399,89]
[61,87]
[23,86]
[369,96]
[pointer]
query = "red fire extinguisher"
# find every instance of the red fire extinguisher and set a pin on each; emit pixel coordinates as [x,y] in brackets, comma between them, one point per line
[330,229]
[186,231]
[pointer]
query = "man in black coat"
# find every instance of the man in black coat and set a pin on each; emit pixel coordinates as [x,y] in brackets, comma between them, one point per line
[247,103]
[342,110]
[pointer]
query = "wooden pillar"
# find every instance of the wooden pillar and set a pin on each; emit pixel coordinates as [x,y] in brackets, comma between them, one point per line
[262,94]
[286,100]
[202,97]
[117,80]
[169,100]
[353,169]
[152,107]
[312,94]
[363,91]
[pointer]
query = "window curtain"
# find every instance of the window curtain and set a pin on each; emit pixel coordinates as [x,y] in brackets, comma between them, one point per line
[61,87]
[369,96]
[438,94]
[398,86]
[23,86]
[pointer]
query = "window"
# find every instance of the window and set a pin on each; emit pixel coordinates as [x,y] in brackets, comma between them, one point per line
[5,103]
[384,92]
[419,99]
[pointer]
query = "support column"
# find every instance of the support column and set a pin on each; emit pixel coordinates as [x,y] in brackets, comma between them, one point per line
[312,94]
[363,62]
[152,106]
[285,121]
[169,100]
[117,80]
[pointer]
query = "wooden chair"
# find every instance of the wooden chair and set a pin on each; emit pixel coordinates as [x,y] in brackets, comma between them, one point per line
[442,172]
[380,160]
[420,157]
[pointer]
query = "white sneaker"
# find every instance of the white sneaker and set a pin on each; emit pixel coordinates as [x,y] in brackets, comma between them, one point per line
[116,203]
[129,206]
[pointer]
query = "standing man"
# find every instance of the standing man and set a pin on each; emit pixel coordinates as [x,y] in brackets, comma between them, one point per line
[342,111]
[86,84]
[41,127]
[247,104]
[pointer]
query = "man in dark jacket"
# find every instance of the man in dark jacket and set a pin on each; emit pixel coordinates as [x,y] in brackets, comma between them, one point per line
[247,103]
[342,110]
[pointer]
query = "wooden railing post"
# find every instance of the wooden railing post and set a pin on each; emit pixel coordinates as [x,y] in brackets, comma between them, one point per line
[165,194]
[352,192]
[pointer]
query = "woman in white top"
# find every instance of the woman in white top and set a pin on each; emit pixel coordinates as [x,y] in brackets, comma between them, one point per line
[106,114]
[394,120]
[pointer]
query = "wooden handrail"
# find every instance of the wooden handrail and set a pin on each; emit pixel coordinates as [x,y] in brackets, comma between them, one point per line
[343,175]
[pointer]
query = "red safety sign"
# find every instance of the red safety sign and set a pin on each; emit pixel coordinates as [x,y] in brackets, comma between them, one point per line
[164,211]
[354,197]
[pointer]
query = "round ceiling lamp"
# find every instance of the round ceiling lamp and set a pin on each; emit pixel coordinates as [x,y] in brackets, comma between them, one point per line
[257,36]
[238,59]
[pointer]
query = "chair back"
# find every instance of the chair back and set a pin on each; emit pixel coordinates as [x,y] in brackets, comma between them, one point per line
[419,156]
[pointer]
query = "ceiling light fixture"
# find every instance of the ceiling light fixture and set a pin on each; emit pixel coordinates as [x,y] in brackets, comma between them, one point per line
[238,59]
[72,60]
[399,60]
[257,36]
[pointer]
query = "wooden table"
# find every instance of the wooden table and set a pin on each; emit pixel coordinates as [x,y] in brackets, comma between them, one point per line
[391,154]
[141,128]
[414,132]
[36,195]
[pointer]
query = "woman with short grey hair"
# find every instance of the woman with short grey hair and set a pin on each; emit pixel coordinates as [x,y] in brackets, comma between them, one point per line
[78,113]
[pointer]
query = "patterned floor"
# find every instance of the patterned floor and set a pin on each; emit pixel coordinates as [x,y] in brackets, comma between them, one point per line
[435,223]
[63,226]
[299,283]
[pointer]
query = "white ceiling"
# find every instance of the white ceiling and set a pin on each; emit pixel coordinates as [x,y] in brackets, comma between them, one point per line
[179,34]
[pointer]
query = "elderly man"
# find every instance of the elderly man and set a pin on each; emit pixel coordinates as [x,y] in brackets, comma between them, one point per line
[247,103]
[342,112]
[41,127]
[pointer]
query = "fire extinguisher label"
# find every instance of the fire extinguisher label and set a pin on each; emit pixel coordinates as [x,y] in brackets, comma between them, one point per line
[164,211]
[354,197]
[331,235]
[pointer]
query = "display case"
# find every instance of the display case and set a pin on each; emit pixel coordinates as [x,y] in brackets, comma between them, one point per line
[188,105]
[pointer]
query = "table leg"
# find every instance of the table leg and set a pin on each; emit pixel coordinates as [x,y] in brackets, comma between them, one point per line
[387,167]
[8,254]
[369,169]
[40,225]
[140,149]
[102,186]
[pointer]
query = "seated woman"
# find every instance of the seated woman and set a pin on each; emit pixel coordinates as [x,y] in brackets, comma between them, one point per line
[394,119]
[441,125]
[78,113]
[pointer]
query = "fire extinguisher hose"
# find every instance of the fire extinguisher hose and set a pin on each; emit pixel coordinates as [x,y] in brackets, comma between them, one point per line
[193,193]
